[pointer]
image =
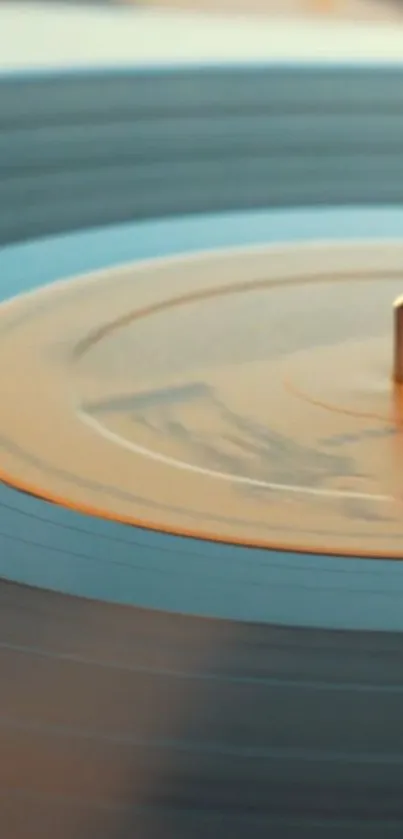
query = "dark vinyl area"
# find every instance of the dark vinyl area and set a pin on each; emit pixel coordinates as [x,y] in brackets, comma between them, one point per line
[119,722]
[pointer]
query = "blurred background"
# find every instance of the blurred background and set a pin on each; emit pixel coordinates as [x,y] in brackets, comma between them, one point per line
[376,10]
[359,9]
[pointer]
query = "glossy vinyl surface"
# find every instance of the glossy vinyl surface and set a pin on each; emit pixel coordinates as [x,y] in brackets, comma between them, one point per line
[221,691]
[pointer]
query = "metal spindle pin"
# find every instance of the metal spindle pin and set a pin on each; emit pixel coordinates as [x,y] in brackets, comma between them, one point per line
[398,340]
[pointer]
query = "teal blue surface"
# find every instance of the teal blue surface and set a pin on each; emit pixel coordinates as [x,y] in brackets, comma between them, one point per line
[46,546]
[86,148]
